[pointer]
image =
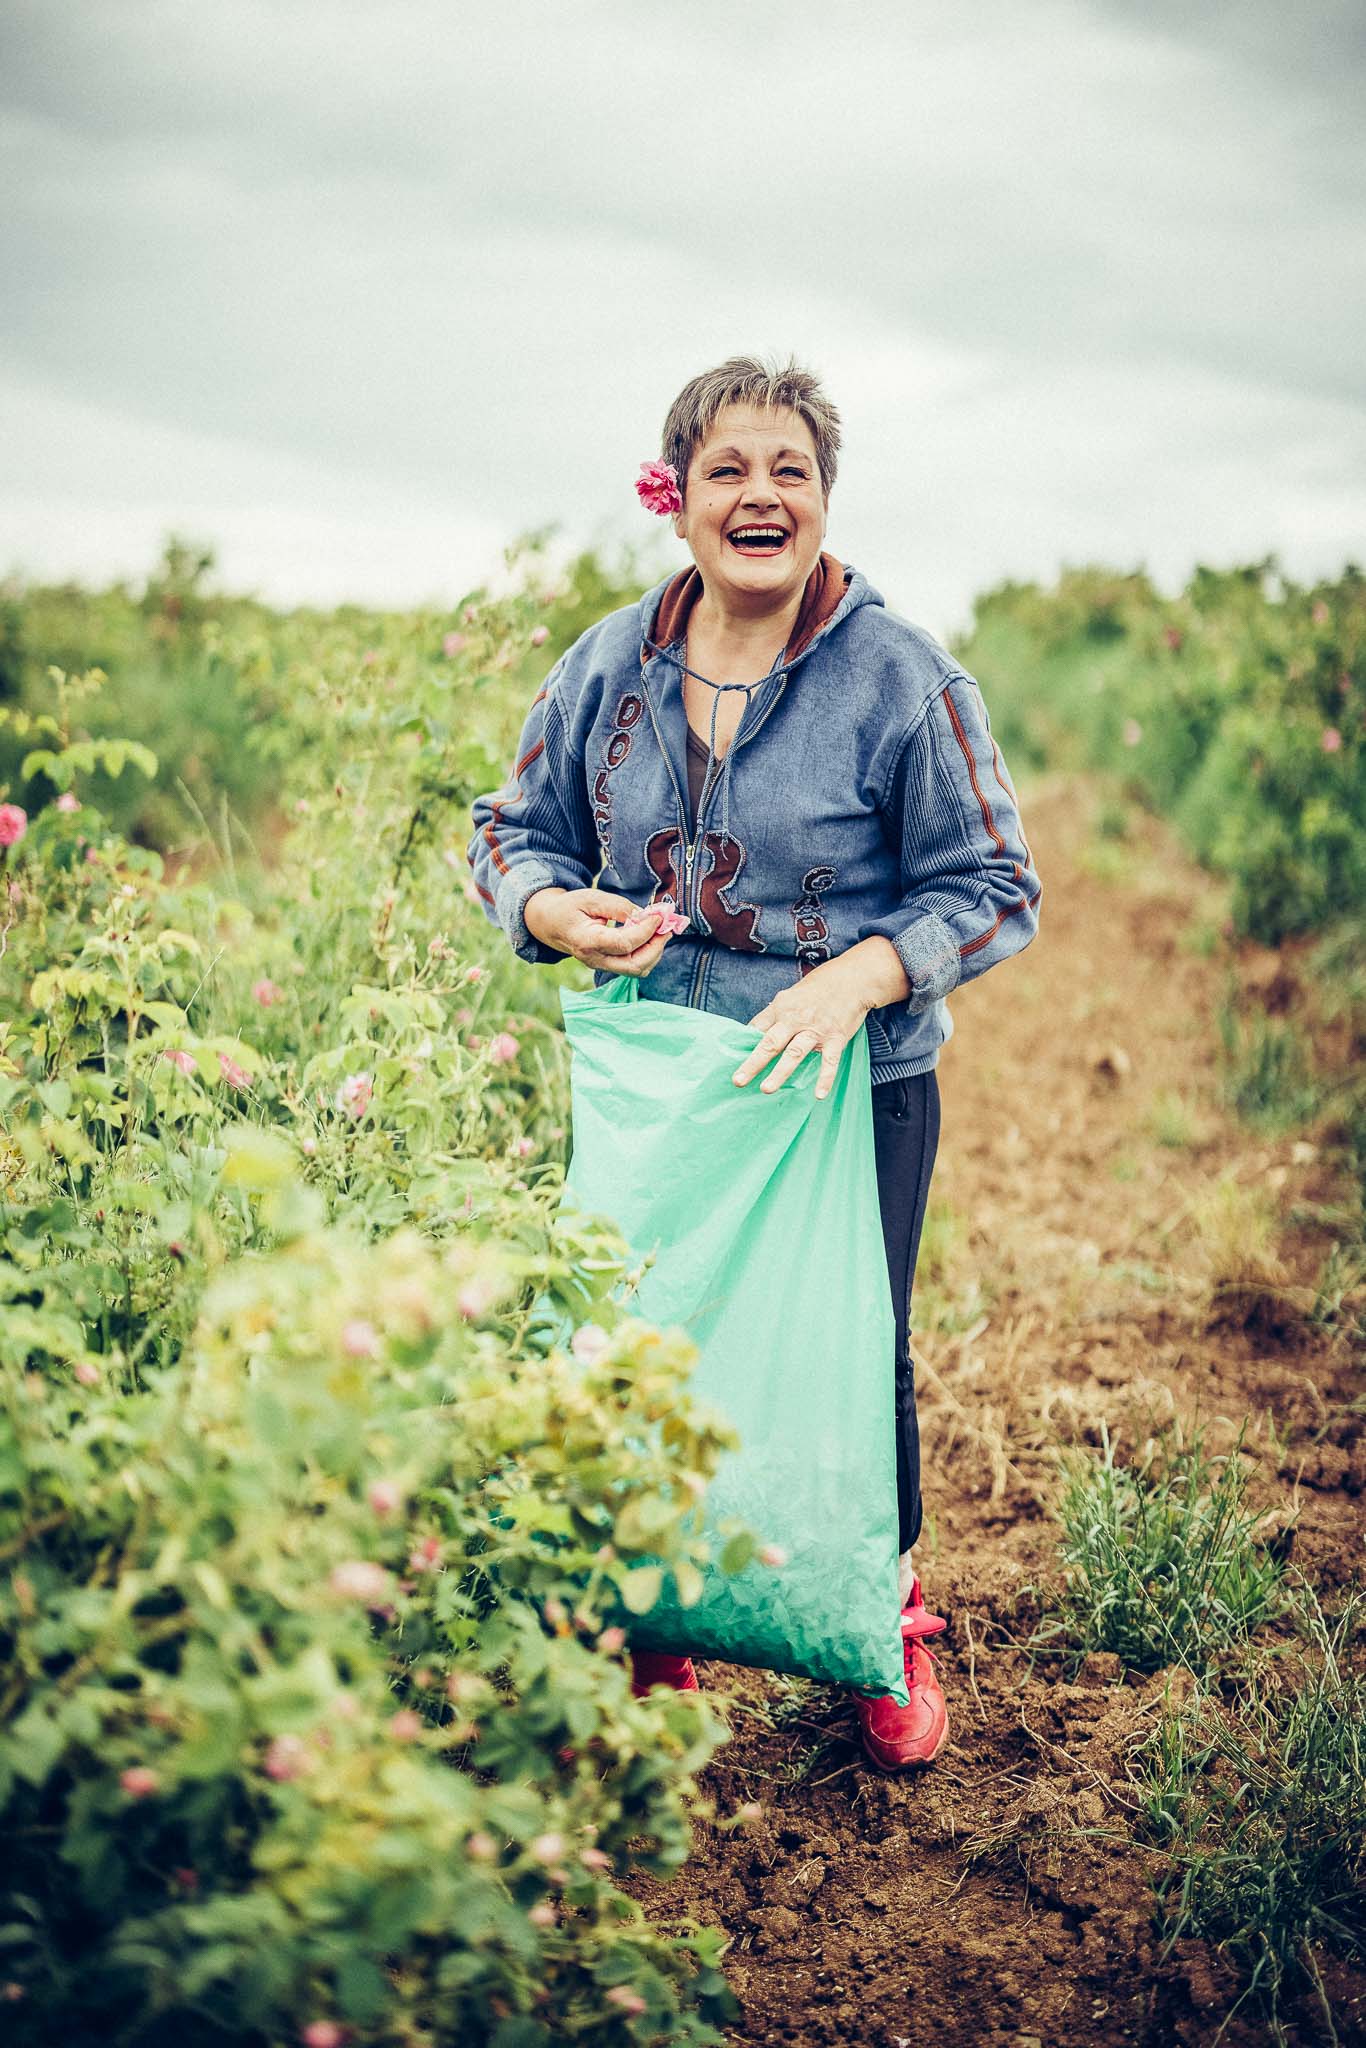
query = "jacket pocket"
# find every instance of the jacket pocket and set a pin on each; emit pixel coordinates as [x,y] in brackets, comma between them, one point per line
[884,1033]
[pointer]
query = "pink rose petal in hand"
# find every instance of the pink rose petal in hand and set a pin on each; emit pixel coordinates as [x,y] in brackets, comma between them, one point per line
[670,922]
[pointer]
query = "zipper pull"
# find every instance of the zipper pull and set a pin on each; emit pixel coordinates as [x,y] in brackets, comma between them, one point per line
[687,867]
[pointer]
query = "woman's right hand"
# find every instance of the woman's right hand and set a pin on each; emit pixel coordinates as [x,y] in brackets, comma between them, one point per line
[575,921]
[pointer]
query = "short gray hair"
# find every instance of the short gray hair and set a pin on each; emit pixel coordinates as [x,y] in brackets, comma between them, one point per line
[745,380]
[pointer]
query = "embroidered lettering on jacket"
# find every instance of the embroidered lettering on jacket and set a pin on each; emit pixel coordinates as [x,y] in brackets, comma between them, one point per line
[630,710]
[665,858]
[812,931]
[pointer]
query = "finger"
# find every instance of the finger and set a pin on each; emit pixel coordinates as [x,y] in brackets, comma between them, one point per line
[758,1056]
[830,1066]
[639,961]
[773,1041]
[604,903]
[626,940]
[796,1050]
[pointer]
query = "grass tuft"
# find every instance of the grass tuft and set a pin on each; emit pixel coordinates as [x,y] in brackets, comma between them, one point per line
[1260,1801]
[1161,1559]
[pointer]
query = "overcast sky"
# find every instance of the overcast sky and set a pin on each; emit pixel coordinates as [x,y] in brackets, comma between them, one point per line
[358,291]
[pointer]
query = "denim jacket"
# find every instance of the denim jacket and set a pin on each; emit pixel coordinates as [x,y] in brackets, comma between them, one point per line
[863,793]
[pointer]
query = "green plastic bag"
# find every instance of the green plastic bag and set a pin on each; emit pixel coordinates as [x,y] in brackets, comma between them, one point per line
[763,1214]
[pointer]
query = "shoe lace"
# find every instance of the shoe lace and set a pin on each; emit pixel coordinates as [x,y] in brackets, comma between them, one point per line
[916,1623]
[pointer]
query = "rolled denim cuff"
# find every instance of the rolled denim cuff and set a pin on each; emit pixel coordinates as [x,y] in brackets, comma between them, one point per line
[929,953]
[514,891]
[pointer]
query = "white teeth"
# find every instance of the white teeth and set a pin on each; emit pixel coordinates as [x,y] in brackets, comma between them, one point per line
[758,533]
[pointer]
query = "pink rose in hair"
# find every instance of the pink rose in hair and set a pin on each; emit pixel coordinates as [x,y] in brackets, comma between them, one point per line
[657,487]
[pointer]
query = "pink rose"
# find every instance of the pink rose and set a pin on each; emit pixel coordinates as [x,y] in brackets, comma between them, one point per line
[384,1497]
[544,1915]
[539,636]
[359,1339]
[358,1579]
[671,921]
[87,1372]
[267,992]
[481,1846]
[612,1640]
[406,1726]
[139,1782]
[13,823]
[454,643]
[475,973]
[622,1996]
[287,1758]
[323,2034]
[589,1343]
[525,1147]
[179,1058]
[353,1097]
[1331,740]
[68,801]
[503,1048]
[235,1076]
[657,487]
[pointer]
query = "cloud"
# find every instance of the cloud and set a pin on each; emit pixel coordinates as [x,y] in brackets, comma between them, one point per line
[1076,269]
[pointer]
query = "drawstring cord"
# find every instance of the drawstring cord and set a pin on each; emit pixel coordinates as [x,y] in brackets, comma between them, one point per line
[715,707]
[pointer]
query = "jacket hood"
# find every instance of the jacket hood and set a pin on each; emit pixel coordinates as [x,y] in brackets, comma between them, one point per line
[834,590]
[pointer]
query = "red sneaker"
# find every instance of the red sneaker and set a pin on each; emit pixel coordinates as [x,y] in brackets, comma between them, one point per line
[907,1738]
[652,1667]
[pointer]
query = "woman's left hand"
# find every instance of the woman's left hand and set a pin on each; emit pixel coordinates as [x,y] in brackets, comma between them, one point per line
[821,1012]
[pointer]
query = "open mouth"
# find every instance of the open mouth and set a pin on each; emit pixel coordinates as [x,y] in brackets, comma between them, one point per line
[758,540]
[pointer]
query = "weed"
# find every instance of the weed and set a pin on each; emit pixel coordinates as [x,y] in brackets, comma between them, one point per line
[1172,1121]
[1267,1076]
[1161,1559]
[1340,1292]
[1260,1801]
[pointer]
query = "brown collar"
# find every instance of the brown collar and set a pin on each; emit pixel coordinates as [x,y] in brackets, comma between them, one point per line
[825,587]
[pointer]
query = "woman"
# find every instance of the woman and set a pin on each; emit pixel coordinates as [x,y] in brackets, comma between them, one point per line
[865,856]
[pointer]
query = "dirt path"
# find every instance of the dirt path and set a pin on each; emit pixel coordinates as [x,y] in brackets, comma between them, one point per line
[1089,1193]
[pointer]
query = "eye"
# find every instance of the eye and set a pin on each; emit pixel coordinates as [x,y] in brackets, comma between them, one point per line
[728,469]
[790,469]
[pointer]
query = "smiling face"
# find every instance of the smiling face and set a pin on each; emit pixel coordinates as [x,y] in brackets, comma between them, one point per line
[753,513]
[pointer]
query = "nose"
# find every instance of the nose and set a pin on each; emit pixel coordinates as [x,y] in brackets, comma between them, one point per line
[761,493]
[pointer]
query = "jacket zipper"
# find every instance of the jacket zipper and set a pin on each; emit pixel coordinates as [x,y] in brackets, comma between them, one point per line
[690,844]
[708,799]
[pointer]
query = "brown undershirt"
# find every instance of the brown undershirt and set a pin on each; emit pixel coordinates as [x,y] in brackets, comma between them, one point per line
[697,774]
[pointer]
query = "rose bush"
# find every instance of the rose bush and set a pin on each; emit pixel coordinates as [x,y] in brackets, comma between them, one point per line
[332,1465]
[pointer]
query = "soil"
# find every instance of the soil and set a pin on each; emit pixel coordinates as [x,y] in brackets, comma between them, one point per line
[1105,1274]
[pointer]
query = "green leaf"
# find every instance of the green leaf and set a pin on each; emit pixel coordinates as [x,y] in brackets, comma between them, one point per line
[641,1588]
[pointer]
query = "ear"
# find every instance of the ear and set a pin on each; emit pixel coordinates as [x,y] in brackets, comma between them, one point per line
[680,524]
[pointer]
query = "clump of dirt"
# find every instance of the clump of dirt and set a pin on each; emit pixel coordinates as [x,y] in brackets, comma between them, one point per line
[1001,1899]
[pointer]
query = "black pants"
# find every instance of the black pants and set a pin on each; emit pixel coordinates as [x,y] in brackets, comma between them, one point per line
[905,1139]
